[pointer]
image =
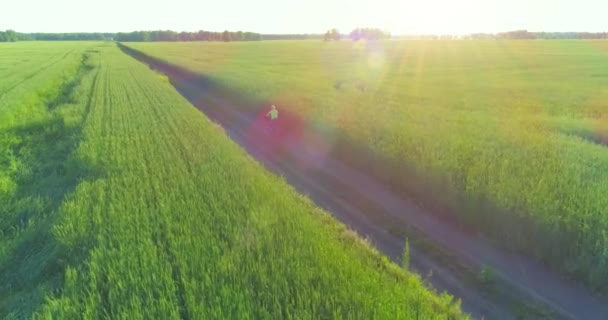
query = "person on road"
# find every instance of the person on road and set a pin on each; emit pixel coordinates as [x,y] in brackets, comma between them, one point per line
[273,114]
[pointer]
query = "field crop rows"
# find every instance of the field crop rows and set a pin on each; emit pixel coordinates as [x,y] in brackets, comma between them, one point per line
[516,129]
[125,202]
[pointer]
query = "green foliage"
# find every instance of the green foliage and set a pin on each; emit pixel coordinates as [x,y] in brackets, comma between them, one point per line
[159,215]
[8,36]
[405,256]
[486,276]
[508,129]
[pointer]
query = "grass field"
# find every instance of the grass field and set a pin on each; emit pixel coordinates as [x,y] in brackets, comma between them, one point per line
[122,201]
[36,137]
[516,129]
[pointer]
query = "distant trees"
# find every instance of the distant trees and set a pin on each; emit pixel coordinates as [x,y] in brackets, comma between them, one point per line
[304,36]
[517,34]
[332,34]
[8,36]
[226,36]
[166,35]
[368,34]
[481,36]
[64,36]
[136,36]
[571,35]
[526,35]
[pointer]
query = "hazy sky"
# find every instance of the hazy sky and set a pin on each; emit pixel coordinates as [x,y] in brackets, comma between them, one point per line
[305,16]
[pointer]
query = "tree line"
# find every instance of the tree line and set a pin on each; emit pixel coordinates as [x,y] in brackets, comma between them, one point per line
[357,34]
[295,36]
[11,36]
[368,34]
[526,35]
[72,36]
[8,36]
[202,35]
[330,35]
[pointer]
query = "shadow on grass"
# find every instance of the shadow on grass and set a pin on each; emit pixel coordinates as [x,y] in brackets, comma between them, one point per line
[595,137]
[32,262]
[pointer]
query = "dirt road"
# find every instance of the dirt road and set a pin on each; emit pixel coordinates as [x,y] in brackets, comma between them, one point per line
[301,154]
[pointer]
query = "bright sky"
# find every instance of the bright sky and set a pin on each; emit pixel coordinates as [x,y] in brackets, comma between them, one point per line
[304,16]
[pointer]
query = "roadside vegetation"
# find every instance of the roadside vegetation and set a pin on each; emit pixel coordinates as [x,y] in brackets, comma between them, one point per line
[120,200]
[507,138]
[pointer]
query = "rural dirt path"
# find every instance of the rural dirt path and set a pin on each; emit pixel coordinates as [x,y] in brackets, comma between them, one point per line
[373,210]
